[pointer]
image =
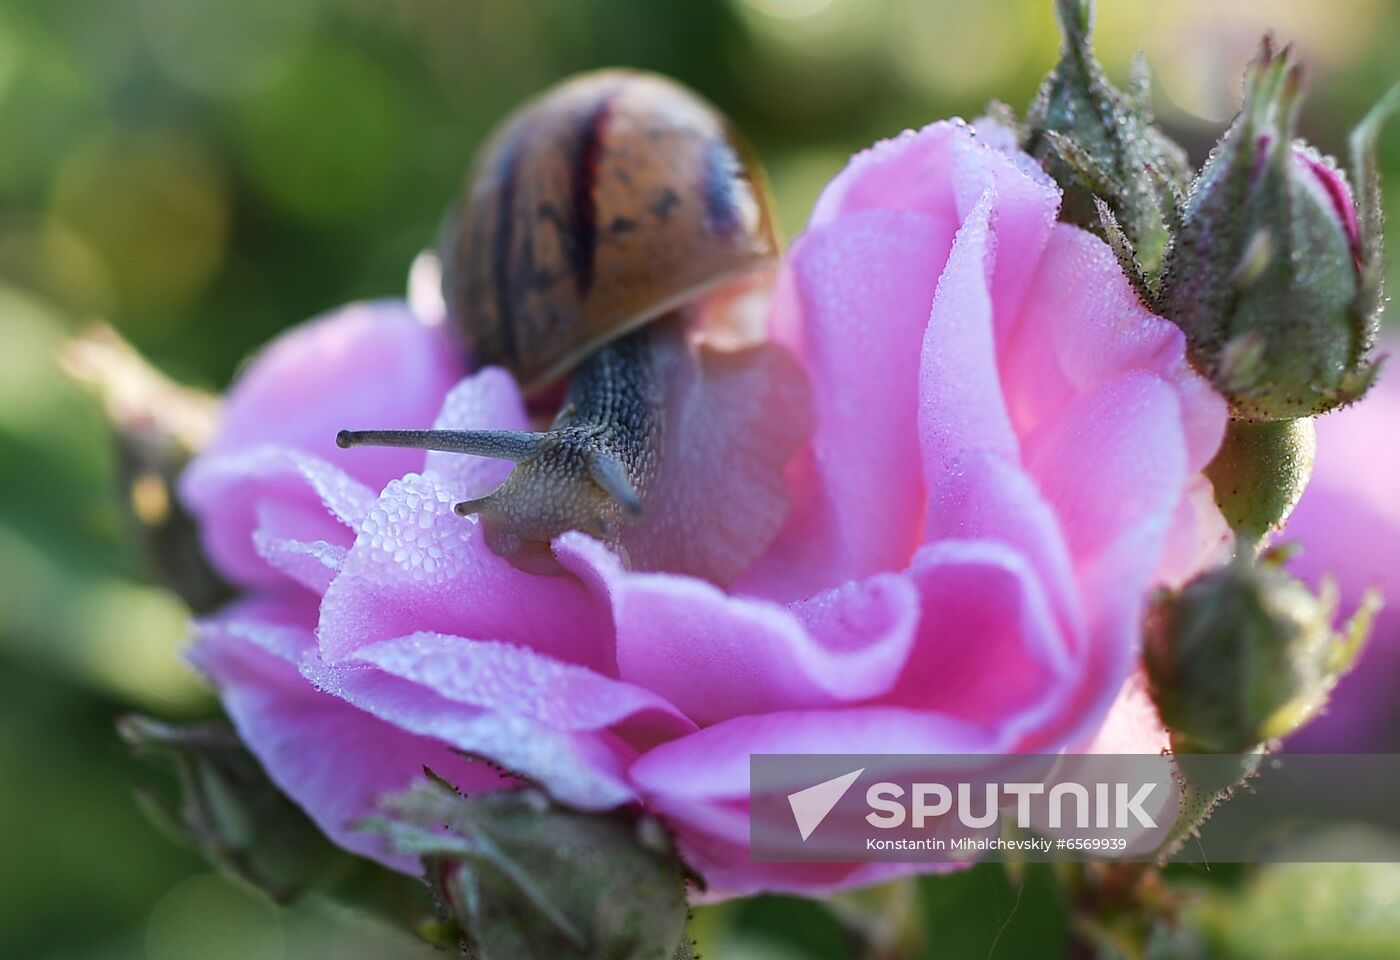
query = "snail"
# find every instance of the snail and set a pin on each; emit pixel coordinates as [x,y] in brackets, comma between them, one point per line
[591,225]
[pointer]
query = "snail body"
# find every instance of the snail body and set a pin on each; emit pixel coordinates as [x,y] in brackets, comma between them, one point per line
[591,220]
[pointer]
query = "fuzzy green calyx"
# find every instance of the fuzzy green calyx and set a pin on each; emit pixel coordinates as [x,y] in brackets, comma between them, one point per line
[1275,273]
[1245,654]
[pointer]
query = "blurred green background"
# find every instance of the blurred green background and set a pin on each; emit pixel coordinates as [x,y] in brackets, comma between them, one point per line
[204,173]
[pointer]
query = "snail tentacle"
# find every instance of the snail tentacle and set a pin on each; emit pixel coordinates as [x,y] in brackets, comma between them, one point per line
[514,445]
[610,473]
[468,507]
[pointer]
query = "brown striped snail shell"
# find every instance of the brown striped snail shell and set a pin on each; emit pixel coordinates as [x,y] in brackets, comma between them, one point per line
[609,200]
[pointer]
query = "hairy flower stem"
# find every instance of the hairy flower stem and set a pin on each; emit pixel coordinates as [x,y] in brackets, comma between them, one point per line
[1259,475]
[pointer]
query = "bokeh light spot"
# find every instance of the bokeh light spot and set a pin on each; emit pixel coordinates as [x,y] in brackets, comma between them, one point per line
[134,637]
[150,499]
[965,48]
[1198,71]
[151,210]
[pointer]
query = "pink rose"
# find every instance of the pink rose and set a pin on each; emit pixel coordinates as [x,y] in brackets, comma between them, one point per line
[1004,459]
[1348,525]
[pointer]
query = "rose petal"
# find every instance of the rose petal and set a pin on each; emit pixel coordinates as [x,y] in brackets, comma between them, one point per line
[716,656]
[713,762]
[418,567]
[276,624]
[1348,525]
[1083,325]
[990,651]
[988,497]
[859,495]
[733,419]
[945,171]
[1132,725]
[281,492]
[699,786]
[1198,536]
[313,565]
[1130,430]
[366,365]
[908,173]
[961,408]
[333,760]
[499,676]
[569,730]
[1026,201]
[1115,590]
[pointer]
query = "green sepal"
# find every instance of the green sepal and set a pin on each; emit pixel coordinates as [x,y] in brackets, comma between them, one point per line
[522,877]
[224,805]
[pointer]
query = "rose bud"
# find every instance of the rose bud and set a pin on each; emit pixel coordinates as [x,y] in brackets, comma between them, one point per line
[1245,654]
[1121,175]
[1275,274]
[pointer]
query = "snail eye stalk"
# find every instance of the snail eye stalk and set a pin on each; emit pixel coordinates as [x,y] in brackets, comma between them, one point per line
[609,474]
[514,445]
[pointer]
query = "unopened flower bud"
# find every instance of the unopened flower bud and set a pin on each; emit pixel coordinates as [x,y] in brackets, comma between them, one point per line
[1275,274]
[1100,143]
[1245,654]
[523,877]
